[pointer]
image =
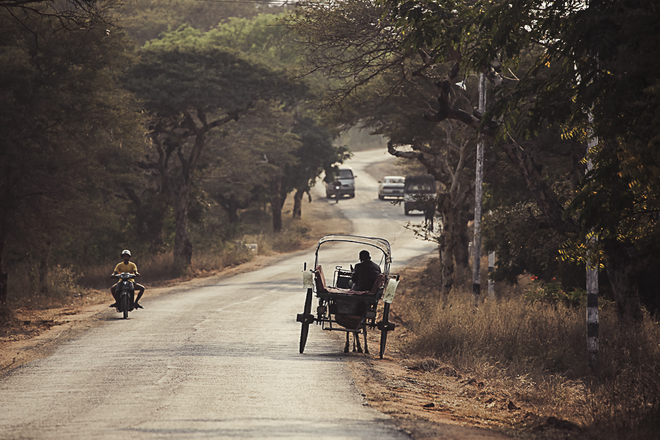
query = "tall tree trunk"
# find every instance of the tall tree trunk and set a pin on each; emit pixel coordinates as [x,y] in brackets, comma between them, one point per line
[182,244]
[276,211]
[446,266]
[3,275]
[276,203]
[447,243]
[231,207]
[297,204]
[43,266]
[478,189]
[462,238]
[454,255]
[621,270]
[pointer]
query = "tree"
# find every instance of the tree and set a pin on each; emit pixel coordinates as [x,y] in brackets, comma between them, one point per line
[190,90]
[587,59]
[550,66]
[65,125]
[267,133]
[377,85]
[232,179]
[146,20]
[264,38]
[315,155]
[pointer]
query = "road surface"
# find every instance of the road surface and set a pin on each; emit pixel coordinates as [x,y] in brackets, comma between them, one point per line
[219,361]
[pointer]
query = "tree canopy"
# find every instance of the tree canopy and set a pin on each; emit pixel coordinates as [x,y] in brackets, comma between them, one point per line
[67,129]
[560,73]
[80,100]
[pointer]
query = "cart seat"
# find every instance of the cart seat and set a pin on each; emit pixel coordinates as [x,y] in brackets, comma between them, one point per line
[319,279]
[322,287]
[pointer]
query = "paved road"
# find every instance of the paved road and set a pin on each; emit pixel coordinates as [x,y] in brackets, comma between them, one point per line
[220,361]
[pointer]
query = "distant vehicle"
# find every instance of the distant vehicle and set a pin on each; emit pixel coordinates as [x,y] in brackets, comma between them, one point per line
[391,186]
[419,194]
[346,179]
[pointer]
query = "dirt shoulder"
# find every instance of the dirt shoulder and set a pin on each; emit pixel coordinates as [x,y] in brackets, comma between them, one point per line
[432,400]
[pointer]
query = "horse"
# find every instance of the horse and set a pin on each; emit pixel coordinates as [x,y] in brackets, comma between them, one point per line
[350,322]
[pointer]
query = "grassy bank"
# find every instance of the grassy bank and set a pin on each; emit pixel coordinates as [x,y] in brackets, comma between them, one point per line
[537,351]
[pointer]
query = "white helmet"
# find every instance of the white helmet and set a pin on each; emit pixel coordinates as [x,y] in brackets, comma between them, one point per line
[125,252]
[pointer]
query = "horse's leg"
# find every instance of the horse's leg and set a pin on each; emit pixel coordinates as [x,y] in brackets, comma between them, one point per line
[356,338]
[346,346]
[366,348]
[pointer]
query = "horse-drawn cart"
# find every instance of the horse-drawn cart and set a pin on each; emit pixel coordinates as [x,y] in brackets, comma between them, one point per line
[340,308]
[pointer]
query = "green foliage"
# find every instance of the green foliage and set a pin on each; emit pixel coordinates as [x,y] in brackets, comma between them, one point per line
[148,19]
[316,154]
[524,244]
[596,59]
[262,37]
[173,78]
[552,294]
[69,132]
[73,142]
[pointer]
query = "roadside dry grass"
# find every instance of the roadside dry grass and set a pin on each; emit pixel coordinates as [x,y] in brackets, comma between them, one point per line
[521,368]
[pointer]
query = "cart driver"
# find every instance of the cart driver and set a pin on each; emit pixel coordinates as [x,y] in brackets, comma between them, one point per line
[365,273]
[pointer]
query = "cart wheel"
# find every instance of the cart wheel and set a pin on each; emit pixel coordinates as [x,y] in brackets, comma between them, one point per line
[305,322]
[303,336]
[384,328]
[383,341]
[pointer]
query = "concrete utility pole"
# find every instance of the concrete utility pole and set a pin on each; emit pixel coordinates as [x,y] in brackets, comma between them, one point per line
[592,283]
[491,283]
[479,179]
[592,256]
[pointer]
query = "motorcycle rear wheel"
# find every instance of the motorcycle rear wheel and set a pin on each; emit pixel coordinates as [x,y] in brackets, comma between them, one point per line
[124,305]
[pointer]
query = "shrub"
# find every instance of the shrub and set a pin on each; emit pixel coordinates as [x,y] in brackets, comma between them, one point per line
[553,294]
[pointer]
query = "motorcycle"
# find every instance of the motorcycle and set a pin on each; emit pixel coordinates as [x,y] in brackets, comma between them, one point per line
[337,186]
[125,291]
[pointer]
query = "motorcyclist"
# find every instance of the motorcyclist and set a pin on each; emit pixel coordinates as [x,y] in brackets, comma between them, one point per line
[130,267]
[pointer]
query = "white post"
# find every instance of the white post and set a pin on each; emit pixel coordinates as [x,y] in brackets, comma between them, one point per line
[476,256]
[491,269]
[592,284]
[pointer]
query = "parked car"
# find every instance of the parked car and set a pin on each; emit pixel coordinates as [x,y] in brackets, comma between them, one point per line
[419,194]
[391,186]
[346,179]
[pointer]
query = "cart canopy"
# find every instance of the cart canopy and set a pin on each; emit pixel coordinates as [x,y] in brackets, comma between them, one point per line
[379,243]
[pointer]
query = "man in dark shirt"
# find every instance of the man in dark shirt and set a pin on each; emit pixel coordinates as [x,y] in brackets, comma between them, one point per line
[365,273]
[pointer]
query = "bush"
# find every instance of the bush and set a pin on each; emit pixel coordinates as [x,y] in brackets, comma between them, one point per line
[553,294]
